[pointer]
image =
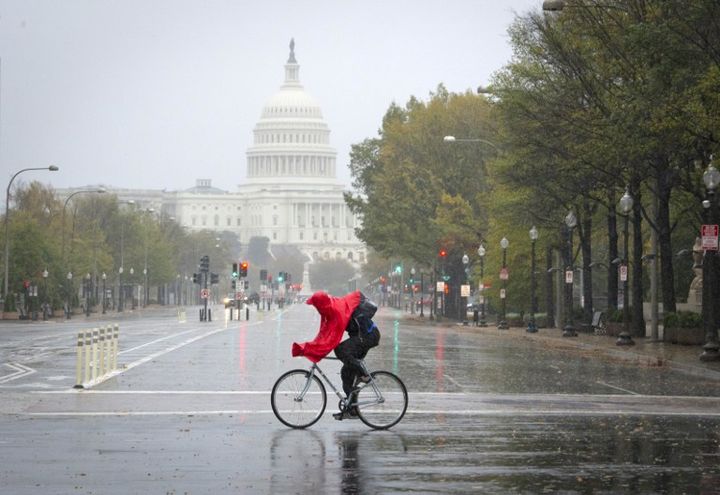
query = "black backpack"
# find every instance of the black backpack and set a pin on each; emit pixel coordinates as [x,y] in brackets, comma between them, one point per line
[361,319]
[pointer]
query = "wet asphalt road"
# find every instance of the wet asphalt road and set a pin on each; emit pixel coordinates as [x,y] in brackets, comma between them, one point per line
[189,413]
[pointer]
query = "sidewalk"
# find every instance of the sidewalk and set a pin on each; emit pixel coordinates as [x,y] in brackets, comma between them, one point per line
[645,352]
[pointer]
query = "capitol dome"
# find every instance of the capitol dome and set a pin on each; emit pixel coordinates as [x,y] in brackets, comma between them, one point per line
[291,139]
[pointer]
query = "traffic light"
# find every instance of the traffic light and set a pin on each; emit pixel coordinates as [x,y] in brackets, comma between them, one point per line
[247,284]
[244,269]
[443,253]
[281,277]
[195,278]
[398,269]
[214,278]
[234,270]
[205,263]
[263,275]
[234,284]
[288,277]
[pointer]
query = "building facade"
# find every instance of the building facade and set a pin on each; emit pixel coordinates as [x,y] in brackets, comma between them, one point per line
[291,194]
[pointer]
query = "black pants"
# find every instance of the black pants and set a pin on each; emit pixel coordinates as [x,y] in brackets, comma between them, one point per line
[351,349]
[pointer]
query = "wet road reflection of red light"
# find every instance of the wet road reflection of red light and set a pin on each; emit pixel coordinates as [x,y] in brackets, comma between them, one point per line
[440,361]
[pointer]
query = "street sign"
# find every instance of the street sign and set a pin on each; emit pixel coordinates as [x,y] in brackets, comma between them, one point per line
[440,287]
[464,290]
[623,273]
[238,296]
[502,293]
[204,293]
[709,237]
[504,274]
[568,276]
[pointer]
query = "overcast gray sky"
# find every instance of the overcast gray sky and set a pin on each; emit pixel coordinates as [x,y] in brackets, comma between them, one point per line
[154,94]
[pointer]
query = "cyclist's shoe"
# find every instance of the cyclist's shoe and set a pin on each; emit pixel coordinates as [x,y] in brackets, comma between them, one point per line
[347,414]
[362,379]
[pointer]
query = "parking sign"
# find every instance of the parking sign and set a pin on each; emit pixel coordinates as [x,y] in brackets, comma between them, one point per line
[709,237]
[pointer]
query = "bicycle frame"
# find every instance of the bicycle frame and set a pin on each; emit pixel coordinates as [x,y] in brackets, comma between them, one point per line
[343,400]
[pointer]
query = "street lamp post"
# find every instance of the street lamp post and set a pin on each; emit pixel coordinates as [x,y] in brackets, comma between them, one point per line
[569,329]
[45,274]
[51,168]
[625,206]
[532,326]
[481,252]
[711,280]
[503,325]
[422,294]
[121,292]
[68,302]
[465,261]
[132,288]
[104,303]
[88,293]
[412,290]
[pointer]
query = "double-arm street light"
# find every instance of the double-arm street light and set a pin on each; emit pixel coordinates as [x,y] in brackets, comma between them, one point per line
[51,168]
[465,261]
[625,206]
[710,268]
[481,253]
[532,326]
[569,329]
[503,324]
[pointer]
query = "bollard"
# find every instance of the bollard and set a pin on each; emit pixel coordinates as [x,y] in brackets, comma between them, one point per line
[79,360]
[116,338]
[101,351]
[93,365]
[96,355]
[88,356]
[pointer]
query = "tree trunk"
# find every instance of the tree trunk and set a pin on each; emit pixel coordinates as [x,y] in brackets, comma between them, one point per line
[667,277]
[549,292]
[586,246]
[638,317]
[612,279]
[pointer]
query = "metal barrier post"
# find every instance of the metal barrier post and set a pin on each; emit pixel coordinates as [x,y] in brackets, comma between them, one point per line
[79,360]
[101,351]
[94,367]
[116,337]
[88,351]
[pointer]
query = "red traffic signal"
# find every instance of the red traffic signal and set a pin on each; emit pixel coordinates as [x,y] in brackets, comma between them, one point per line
[443,253]
[244,269]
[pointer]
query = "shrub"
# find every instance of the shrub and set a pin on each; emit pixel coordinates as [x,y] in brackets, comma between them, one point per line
[683,319]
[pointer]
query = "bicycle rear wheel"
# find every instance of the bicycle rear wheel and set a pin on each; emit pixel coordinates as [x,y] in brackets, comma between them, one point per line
[290,407]
[382,403]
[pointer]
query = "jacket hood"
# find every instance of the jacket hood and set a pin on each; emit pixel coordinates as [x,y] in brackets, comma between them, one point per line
[322,302]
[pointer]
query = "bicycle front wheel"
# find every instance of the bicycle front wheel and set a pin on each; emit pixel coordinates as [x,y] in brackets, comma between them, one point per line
[298,399]
[382,402]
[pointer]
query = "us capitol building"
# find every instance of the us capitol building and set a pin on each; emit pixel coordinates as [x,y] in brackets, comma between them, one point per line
[291,194]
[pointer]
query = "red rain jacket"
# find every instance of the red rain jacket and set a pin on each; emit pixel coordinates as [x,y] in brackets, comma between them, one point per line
[335,313]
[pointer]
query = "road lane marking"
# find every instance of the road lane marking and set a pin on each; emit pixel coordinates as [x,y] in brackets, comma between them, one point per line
[157,340]
[617,388]
[438,412]
[20,371]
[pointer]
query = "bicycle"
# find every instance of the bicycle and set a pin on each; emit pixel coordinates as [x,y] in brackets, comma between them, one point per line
[299,398]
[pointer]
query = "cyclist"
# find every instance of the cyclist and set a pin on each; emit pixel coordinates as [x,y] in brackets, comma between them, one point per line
[351,313]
